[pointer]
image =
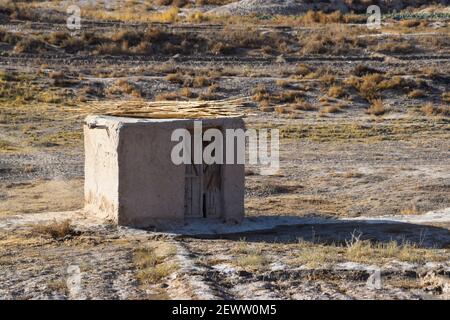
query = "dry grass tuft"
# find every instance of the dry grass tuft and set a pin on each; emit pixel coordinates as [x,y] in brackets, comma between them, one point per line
[377,108]
[410,23]
[411,210]
[175,78]
[260,93]
[6,146]
[393,46]
[57,230]
[416,94]
[302,70]
[316,255]
[59,286]
[331,109]
[366,251]
[250,257]
[153,263]
[303,106]
[281,109]
[265,106]
[252,261]
[168,16]
[336,92]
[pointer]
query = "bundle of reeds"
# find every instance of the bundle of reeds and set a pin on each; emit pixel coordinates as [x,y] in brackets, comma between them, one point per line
[166,109]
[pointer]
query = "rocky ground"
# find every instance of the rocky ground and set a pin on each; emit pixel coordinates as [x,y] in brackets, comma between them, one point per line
[262,259]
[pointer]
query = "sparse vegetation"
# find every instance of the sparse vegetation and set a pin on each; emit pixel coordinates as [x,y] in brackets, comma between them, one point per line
[252,261]
[432,110]
[6,146]
[331,109]
[59,286]
[336,92]
[315,84]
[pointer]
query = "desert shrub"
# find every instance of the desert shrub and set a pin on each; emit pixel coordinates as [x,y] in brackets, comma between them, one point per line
[176,3]
[213,88]
[367,85]
[331,109]
[270,189]
[212,2]
[111,49]
[168,16]
[8,37]
[187,93]
[331,40]
[169,96]
[260,93]
[377,108]
[175,78]
[327,79]
[395,46]
[153,263]
[197,17]
[7,76]
[362,70]
[56,75]
[58,37]
[29,45]
[132,38]
[208,95]
[313,17]
[432,110]
[410,23]
[398,83]
[122,86]
[6,145]
[416,93]
[221,48]
[336,92]
[252,261]
[302,70]
[303,106]
[283,83]
[288,96]
[95,90]
[282,109]
[200,82]
[265,106]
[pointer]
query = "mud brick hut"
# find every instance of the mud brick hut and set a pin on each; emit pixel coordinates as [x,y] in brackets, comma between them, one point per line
[131,180]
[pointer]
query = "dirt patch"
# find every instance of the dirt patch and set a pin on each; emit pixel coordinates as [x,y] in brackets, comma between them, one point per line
[41,195]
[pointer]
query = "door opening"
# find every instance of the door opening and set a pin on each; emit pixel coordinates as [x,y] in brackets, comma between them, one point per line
[203,190]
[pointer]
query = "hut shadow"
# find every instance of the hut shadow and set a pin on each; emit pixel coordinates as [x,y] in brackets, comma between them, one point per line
[291,229]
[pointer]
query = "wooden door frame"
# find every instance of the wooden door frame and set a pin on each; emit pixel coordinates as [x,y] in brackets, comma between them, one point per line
[200,177]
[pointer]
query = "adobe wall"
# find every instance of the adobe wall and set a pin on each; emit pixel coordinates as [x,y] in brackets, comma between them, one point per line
[131,180]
